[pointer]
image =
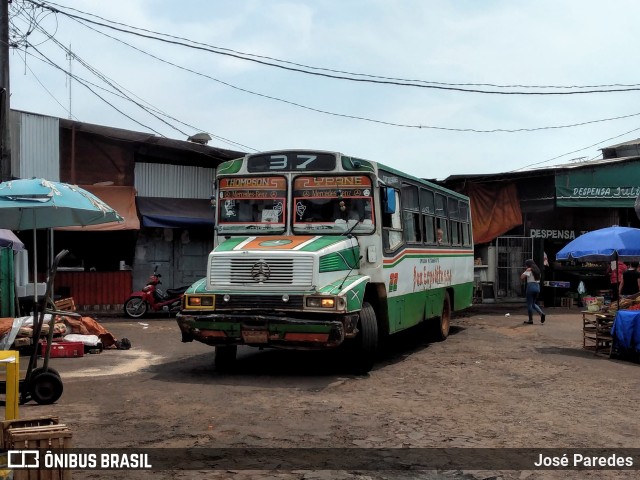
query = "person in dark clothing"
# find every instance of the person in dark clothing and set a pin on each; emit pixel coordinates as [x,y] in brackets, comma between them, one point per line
[532,276]
[630,282]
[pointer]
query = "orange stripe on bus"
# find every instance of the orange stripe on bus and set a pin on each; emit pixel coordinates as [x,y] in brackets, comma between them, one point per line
[276,243]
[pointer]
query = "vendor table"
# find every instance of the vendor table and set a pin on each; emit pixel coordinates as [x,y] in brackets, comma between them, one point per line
[626,331]
[596,331]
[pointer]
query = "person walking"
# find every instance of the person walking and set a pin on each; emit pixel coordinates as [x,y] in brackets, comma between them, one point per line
[630,283]
[532,276]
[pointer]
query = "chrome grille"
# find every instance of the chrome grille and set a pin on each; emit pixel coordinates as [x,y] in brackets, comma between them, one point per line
[258,270]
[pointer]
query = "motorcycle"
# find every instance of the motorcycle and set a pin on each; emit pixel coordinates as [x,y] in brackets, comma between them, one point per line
[153,299]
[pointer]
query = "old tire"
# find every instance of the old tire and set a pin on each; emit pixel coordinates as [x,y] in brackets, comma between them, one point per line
[225,357]
[135,307]
[442,324]
[46,388]
[365,348]
[37,371]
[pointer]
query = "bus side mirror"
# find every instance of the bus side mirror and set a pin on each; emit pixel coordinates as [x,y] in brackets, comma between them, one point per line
[389,200]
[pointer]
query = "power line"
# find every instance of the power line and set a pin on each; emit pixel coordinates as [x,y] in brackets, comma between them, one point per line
[46,89]
[342,71]
[110,82]
[80,20]
[574,151]
[354,117]
[53,64]
[317,71]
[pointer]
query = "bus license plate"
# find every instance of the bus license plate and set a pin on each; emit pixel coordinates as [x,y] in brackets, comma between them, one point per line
[255,336]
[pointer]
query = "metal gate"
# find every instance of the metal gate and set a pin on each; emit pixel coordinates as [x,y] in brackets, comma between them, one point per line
[511,254]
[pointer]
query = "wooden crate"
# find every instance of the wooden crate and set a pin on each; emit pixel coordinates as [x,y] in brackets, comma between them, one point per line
[8,425]
[67,304]
[37,434]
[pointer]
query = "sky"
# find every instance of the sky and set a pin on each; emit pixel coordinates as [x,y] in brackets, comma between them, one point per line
[250,106]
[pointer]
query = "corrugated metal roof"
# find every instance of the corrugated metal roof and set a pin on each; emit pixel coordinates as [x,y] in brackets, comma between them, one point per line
[542,171]
[151,139]
[37,139]
[630,142]
[173,181]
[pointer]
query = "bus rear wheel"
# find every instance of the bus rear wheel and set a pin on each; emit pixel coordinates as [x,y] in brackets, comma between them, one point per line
[366,342]
[441,326]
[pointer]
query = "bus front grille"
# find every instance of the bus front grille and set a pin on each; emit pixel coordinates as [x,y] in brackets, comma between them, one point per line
[253,271]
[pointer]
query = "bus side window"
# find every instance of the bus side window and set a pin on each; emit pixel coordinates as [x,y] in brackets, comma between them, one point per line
[429,229]
[427,207]
[464,219]
[455,233]
[411,214]
[392,224]
[442,231]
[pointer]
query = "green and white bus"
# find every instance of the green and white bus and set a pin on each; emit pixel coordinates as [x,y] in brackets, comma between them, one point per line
[315,249]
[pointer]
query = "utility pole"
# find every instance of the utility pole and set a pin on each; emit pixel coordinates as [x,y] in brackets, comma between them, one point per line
[5,138]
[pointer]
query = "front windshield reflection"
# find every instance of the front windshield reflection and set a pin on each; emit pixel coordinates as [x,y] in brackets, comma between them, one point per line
[247,205]
[332,205]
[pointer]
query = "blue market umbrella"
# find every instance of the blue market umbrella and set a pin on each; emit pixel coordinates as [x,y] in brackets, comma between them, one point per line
[607,244]
[38,203]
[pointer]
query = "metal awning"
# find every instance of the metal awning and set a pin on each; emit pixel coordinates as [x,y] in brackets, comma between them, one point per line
[616,186]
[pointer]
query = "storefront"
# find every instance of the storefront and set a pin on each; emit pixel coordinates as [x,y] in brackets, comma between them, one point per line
[533,214]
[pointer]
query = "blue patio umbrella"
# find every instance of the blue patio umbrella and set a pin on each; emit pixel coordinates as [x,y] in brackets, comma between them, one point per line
[38,203]
[606,244]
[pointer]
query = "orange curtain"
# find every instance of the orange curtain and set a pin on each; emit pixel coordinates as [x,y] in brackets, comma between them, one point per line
[495,209]
[121,199]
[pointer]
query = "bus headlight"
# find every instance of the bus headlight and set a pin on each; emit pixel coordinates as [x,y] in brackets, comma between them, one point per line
[200,302]
[324,302]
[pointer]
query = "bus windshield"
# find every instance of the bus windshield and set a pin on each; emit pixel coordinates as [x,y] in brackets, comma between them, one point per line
[252,205]
[333,204]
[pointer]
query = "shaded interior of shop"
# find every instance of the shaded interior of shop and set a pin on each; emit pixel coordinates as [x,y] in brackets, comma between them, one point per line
[516,217]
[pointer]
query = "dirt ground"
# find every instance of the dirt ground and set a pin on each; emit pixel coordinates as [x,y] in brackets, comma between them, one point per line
[494,382]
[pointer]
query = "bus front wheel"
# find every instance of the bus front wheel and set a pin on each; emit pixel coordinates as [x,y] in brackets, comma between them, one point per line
[443,323]
[366,342]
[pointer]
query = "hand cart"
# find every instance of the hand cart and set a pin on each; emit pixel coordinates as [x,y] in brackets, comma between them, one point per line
[43,384]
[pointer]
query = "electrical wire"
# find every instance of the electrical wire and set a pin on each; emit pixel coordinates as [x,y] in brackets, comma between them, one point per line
[317,71]
[354,117]
[45,88]
[53,64]
[390,123]
[574,151]
[114,85]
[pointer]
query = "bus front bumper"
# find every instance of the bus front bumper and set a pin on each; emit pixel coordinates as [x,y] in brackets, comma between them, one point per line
[267,330]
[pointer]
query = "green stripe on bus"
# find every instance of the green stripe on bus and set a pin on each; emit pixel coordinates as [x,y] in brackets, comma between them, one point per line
[230,244]
[321,242]
[232,166]
[357,164]
[344,260]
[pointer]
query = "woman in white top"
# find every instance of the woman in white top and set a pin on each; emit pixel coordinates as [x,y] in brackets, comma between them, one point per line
[532,276]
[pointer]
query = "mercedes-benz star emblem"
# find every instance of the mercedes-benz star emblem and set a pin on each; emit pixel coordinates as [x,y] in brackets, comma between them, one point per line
[260,272]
